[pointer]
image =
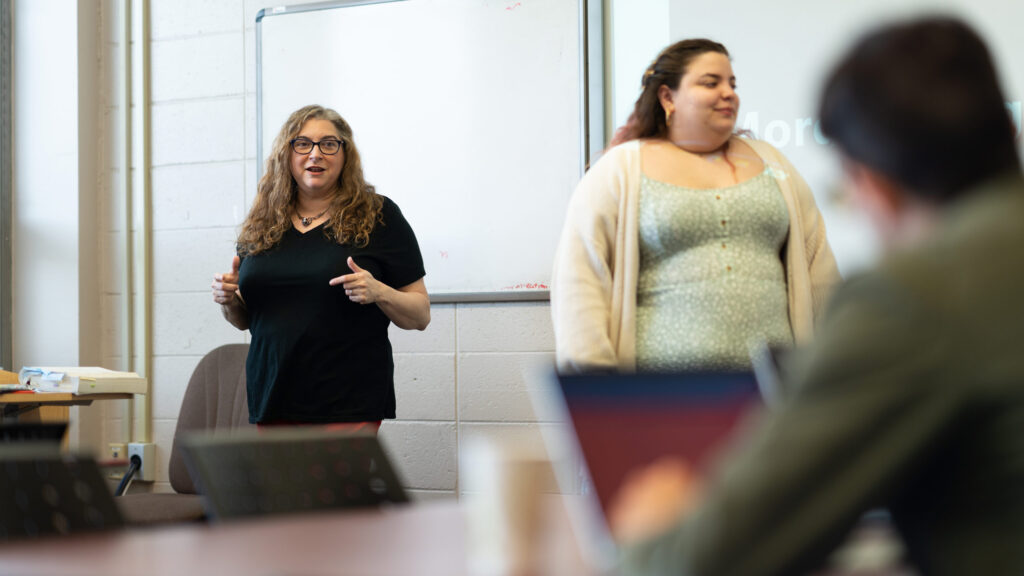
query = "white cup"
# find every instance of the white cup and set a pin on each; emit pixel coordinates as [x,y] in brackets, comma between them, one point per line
[503,483]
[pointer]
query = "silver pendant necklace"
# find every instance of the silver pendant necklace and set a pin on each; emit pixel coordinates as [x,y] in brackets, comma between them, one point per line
[307,220]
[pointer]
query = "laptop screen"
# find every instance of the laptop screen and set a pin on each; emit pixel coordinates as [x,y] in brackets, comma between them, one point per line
[624,421]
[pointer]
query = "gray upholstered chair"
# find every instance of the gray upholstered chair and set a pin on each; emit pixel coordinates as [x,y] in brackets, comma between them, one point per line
[214,400]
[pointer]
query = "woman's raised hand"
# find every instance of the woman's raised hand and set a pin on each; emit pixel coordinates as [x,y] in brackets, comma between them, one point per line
[225,285]
[360,286]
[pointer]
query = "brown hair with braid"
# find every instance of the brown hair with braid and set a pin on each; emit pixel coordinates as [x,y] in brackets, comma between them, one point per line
[353,213]
[648,117]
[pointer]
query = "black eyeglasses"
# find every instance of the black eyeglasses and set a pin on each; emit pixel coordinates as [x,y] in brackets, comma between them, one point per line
[328,147]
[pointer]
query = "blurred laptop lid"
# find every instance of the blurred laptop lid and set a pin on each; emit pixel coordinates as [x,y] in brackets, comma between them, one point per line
[46,493]
[291,470]
[19,431]
[622,422]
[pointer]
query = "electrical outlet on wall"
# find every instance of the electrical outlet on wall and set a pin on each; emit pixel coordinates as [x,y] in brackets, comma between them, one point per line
[147,452]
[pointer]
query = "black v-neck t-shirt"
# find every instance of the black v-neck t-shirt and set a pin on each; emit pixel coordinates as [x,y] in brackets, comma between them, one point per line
[315,356]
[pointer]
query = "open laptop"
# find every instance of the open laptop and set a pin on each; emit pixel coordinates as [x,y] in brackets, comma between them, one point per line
[622,422]
[291,470]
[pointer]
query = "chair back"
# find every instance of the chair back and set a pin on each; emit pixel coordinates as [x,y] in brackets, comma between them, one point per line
[215,399]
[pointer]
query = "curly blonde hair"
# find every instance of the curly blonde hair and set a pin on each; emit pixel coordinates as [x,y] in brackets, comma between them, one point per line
[354,211]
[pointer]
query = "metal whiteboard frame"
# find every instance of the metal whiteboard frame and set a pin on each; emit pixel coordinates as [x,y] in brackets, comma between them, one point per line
[592,109]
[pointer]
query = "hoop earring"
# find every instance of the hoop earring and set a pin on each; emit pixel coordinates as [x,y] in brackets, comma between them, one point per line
[668,117]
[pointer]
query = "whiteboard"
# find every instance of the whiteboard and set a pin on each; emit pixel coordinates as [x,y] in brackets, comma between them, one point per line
[470,114]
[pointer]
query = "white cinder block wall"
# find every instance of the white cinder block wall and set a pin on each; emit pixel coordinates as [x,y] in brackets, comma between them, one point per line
[460,379]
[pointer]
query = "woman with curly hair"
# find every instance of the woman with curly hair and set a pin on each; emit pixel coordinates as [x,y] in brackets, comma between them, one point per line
[324,266]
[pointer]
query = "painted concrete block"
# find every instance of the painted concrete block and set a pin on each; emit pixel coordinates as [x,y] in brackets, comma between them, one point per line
[506,387]
[198,131]
[438,337]
[186,260]
[169,381]
[163,437]
[190,324]
[197,67]
[422,452]
[505,327]
[177,18]
[199,195]
[425,386]
[250,128]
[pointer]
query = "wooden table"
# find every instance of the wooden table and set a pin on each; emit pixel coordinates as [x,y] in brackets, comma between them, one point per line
[18,405]
[44,407]
[419,539]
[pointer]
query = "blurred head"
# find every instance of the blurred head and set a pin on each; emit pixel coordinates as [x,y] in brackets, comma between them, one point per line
[355,206]
[918,104]
[693,80]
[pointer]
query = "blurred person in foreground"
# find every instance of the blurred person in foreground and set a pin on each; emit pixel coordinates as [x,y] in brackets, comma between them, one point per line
[911,397]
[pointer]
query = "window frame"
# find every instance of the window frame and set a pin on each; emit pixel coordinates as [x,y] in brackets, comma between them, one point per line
[6,180]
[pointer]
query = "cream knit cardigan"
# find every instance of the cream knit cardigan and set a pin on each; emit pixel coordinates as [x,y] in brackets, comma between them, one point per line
[593,286]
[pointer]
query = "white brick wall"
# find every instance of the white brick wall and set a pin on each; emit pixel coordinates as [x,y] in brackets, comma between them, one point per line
[176,18]
[189,196]
[466,376]
[197,67]
[197,131]
[495,387]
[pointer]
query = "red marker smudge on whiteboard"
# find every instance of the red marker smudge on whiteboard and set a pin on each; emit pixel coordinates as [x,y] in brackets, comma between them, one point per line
[514,6]
[527,286]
